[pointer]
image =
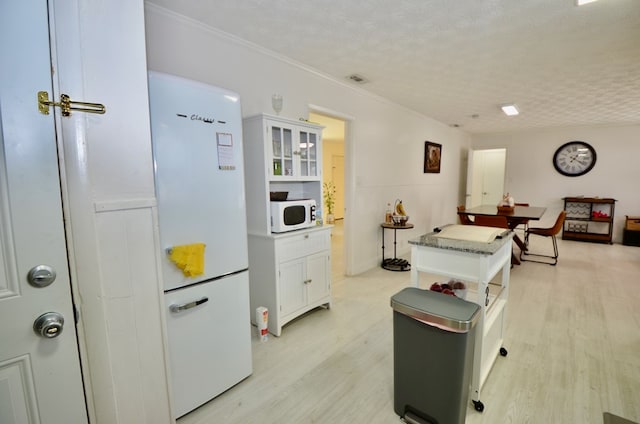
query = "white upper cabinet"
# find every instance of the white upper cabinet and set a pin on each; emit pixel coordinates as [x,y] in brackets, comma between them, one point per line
[294,150]
[280,154]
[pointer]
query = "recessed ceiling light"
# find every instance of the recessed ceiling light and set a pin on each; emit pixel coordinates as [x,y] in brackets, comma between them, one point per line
[510,110]
[581,2]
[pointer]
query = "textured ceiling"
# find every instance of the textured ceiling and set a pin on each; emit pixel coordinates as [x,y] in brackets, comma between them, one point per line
[458,60]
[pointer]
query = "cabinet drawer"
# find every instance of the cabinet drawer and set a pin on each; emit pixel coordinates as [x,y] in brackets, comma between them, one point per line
[631,238]
[632,223]
[300,245]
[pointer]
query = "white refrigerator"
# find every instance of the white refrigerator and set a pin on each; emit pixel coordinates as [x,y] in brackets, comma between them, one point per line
[196,131]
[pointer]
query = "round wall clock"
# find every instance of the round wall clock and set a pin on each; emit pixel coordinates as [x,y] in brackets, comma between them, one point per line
[574,158]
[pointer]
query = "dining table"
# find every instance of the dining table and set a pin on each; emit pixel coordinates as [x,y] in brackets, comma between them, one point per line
[515,217]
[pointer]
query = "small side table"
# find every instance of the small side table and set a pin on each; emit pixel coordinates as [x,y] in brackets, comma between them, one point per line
[395,263]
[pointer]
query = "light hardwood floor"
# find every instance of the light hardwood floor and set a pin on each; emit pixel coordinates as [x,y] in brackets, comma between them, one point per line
[573,336]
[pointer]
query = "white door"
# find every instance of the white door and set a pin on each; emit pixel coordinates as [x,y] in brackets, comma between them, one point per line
[318,276]
[40,380]
[293,291]
[282,151]
[213,210]
[209,340]
[485,177]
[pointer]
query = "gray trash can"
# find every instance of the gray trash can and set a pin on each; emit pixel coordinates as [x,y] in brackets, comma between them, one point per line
[433,345]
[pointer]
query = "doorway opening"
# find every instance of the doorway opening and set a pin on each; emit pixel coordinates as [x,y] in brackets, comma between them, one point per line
[485,177]
[333,178]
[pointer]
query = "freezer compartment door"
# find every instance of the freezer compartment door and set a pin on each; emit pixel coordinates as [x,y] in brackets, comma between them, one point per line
[196,131]
[209,340]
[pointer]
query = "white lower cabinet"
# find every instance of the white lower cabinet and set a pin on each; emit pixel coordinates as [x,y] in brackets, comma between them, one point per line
[293,290]
[290,274]
[303,282]
[318,277]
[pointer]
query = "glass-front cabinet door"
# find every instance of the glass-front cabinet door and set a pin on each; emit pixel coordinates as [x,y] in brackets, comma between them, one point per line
[308,154]
[282,151]
[294,152]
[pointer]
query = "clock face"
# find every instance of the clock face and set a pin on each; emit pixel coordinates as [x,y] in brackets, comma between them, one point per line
[574,158]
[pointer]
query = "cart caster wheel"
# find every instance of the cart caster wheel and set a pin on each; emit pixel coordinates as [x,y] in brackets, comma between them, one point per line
[478,405]
[503,351]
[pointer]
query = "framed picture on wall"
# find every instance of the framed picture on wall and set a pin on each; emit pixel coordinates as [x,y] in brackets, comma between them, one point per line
[432,156]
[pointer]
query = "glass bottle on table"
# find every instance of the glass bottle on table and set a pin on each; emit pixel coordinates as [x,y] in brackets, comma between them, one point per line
[388,216]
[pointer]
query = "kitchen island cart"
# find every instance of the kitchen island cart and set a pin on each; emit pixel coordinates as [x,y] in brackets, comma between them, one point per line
[476,263]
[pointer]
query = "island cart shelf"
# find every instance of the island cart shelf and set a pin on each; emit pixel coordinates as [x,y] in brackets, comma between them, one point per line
[476,264]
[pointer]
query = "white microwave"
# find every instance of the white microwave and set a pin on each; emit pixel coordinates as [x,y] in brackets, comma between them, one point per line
[289,215]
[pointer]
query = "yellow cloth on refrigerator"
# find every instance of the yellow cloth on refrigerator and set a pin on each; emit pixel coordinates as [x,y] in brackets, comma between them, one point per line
[189,258]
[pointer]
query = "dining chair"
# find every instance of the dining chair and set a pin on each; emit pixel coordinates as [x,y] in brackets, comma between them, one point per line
[545,232]
[464,219]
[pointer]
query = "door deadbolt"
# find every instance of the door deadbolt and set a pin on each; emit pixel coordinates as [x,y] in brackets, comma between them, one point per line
[41,276]
[49,325]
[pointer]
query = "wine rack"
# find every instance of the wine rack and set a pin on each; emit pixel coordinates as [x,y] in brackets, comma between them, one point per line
[589,219]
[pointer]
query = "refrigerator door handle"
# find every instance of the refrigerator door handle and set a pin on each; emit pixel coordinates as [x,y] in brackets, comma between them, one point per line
[189,305]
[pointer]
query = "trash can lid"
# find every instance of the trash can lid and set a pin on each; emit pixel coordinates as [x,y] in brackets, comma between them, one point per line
[439,310]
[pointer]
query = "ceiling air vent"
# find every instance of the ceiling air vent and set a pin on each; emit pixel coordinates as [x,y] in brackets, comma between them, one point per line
[357,79]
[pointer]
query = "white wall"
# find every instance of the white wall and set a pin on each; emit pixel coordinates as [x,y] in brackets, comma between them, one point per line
[532,178]
[384,157]
[110,205]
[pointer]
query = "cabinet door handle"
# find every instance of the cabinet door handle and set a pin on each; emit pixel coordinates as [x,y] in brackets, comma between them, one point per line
[307,281]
